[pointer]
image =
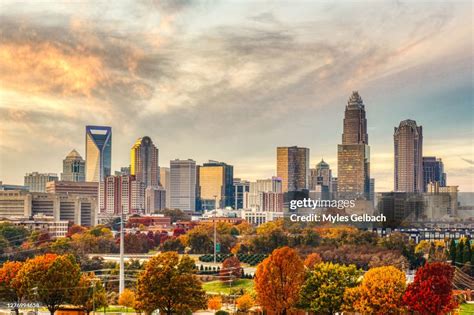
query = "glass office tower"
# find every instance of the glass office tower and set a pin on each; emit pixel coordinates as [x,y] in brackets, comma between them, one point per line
[98,152]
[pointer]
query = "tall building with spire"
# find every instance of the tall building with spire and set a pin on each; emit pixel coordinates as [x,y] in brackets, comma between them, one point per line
[74,167]
[98,153]
[353,155]
[408,149]
[144,162]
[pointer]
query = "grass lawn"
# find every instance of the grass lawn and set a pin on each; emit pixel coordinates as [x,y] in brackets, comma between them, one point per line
[116,309]
[225,288]
[467,309]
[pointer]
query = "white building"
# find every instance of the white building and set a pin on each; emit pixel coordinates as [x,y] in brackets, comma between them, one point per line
[183,185]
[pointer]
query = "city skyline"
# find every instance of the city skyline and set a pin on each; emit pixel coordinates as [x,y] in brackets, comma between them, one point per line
[204,87]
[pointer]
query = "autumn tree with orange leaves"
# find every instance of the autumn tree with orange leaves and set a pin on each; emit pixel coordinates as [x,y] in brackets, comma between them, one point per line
[380,292]
[50,279]
[278,280]
[10,287]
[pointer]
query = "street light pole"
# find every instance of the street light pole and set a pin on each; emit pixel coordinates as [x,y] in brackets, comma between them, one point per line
[215,229]
[122,267]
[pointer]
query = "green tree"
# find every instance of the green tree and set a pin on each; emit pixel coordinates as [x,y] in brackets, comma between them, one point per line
[452,251]
[90,294]
[323,289]
[15,235]
[50,278]
[466,255]
[460,252]
[169,284]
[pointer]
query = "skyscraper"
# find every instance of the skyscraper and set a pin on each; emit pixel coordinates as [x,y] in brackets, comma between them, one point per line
[433,171]
[144,162]
[408,147]
[240,188]
[320,179]
[293,168]
[74,168]
[216,183]
[98,153]
[165,183]
[183,185]
[353,155]
[355,122]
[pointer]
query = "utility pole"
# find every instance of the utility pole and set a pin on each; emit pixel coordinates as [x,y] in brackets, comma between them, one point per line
[93,297]
[122,265]
[215,229]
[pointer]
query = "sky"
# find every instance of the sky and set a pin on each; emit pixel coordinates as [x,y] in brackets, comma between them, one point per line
[232,80]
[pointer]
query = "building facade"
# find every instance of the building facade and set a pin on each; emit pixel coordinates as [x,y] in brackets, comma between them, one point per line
[408,150]
[353,155]
[73,188]
[165,183]
[183,185]
[81,210]
[74,168]
[433,172]
[264,195]
[36,182]
[240,188]
[98,153]
[216,184]
[293,168]
[144,162]
[155,199]
[121,193]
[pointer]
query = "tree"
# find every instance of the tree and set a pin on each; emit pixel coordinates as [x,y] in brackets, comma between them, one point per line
[176,215]
[127,298]
[90,294]
[380,292]
[50,278]
[278,280]
[231,269]
[460,252]
[323,290]
[245,302]
[169,284]
[312,260]
[10,286]
[431,292]
[452,251]
[466,255]
[214,303]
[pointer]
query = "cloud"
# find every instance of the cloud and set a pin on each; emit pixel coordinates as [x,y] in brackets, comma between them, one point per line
[469,161]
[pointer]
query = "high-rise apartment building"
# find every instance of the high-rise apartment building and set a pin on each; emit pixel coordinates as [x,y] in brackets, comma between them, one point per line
[293,168]
[165,183]
[119,193]
[216,184]
[408,147]
[144,162]
[37,181]
[98,153]
[433,172]
[182,182]
[74,168]
[353,155]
